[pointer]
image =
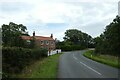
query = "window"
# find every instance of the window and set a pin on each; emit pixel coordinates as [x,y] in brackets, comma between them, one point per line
[42,42]
[28,41]
[47,42]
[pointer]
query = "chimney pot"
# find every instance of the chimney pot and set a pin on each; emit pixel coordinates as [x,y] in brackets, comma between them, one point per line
[34,33]
[51,36]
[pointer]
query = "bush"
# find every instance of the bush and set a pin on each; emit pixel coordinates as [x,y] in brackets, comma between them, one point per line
[71,47]
[66,48]
[14,59]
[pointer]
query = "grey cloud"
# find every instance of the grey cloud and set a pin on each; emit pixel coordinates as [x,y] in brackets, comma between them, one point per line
[96,28]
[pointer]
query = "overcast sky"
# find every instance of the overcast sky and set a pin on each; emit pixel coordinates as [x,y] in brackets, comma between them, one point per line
[56,16]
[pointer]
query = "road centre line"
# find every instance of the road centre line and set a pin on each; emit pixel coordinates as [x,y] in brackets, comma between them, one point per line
[91,68]
[74,57]
[87,66]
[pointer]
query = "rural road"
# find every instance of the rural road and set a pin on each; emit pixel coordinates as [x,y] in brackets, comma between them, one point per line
[74,65]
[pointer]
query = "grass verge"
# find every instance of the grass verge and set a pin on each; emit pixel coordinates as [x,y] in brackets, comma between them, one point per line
[45,68]
[105,59]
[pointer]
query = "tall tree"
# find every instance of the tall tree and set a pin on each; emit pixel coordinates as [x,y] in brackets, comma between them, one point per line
[11,34]
[77,37]
[110,39]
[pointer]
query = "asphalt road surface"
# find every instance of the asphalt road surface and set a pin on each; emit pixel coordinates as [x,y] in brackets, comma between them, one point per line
[75,65]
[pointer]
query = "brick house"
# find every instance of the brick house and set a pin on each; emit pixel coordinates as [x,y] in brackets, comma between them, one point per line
[41,41]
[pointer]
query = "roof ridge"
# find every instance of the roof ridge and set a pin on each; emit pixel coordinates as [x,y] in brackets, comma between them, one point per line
[38,37]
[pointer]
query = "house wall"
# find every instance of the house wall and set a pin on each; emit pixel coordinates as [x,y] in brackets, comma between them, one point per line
[48,44]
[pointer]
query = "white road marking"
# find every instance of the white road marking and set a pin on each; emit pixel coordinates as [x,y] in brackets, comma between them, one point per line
[74,57]
[91,68]
[87,66]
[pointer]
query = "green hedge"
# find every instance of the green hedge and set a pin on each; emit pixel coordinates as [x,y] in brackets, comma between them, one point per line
[14,59]
[71,47]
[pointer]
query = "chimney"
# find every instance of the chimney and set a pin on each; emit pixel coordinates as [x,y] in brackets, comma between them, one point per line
[51,36]
[34,33]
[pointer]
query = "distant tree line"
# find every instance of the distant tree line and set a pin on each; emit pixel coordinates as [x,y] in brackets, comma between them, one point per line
[75,40]
[109,41]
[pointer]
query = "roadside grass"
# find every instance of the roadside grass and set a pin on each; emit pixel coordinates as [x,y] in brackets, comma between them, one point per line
[45,68]
[105,59]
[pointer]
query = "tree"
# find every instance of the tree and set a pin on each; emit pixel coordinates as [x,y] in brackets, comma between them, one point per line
[77,37]
[11,34]
[72,35]
[109,42]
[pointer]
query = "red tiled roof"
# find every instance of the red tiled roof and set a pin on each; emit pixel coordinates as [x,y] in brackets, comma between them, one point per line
[36,37]
[26,37]
[43,38]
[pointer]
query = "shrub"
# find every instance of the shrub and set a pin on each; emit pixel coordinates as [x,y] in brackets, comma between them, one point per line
[71,47]
[14,59]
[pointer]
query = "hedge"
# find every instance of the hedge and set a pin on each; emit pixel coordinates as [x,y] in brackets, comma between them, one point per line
[14,59]
[71,47]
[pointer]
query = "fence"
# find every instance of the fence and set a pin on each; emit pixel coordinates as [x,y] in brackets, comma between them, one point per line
[52,52]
